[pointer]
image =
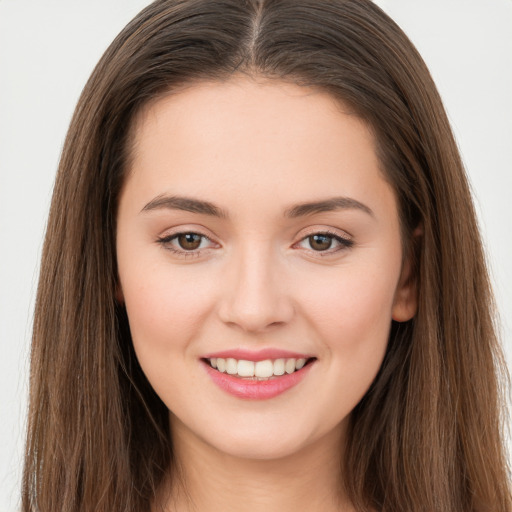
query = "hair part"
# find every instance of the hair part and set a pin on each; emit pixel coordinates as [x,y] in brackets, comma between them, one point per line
[427,435]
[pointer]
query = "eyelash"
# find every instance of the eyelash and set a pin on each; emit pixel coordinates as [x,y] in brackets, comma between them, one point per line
[166,243]
[344,243]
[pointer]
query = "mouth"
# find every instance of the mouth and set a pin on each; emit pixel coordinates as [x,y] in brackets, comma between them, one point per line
[257,380]
[258,370]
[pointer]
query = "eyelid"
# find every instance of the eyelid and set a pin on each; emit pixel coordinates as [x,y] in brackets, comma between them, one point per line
[166,241]
[344,241]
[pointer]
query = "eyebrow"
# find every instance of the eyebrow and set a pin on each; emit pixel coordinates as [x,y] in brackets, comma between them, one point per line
[186,204]
[299,210]
[327,205]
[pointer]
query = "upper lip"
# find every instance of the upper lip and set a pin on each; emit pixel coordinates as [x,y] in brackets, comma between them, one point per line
[257,355]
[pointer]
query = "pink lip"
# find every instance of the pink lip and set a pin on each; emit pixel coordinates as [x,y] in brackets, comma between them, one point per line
[256,389]
[260,355]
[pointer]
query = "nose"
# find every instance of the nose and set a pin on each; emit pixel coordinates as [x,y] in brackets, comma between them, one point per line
[255,297]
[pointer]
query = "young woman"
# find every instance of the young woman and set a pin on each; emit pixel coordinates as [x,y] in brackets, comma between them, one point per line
[262,285]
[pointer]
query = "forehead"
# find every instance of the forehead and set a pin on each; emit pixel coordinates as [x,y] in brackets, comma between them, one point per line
[246,137]
[225,113]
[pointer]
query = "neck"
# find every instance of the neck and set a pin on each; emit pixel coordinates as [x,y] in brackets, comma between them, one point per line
[208,480]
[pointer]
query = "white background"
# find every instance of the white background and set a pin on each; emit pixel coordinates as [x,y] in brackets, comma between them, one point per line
[47,51]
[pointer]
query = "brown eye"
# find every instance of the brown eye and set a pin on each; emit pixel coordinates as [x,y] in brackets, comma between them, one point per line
[320,242]
[189,241]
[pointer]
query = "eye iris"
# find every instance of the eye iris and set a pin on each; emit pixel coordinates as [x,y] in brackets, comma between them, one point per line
[189,241]
[320,242]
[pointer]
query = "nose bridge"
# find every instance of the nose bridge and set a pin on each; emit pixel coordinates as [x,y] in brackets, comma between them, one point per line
[255,295]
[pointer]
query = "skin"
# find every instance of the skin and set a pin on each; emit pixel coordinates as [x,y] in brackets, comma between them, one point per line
[255,149]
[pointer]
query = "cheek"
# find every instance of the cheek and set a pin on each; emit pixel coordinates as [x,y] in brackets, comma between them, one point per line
[166,310]
[353,321]
[352,316]
[356,301]
[165,307]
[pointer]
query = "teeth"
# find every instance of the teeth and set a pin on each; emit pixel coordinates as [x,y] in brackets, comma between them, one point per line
[279,367]
[260,369]
[300,363]
[231,366]
[245,368]
[264,368]
[221,365]
[289,366]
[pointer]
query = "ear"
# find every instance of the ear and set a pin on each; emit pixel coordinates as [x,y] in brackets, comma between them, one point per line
[405,303]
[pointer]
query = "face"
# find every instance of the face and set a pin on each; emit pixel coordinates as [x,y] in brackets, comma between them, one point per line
[260,263]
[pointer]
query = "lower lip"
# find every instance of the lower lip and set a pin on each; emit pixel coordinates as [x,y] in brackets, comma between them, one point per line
[256,389]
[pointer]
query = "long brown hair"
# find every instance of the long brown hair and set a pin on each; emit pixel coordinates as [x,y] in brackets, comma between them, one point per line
[427,435]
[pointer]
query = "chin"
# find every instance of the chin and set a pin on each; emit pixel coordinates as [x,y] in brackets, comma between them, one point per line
[251,449]
[265,440]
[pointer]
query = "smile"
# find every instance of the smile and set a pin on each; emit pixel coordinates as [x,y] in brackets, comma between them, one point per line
[259,379]
[257,370]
